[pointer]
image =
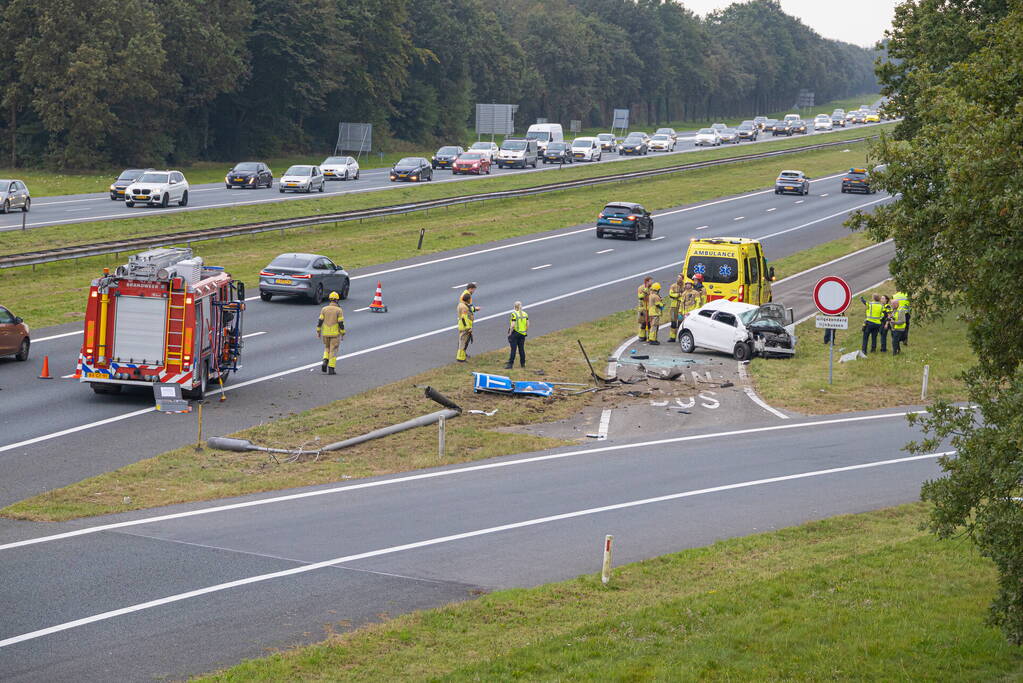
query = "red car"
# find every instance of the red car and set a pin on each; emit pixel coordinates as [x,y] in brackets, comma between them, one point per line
[472,162]
[14,338]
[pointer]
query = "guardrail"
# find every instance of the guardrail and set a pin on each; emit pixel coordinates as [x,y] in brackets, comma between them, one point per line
[115,247]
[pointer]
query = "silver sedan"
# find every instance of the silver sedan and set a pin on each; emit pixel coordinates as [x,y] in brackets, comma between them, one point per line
[311,276]
[14,194]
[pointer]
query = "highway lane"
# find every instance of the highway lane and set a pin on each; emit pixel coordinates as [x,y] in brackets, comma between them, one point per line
[199,588]
[61,210]
[58,432]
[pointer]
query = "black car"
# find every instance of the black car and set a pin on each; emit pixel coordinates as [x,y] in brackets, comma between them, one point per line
[558,153]
[625,219]
[312,276]
[445,157]
[800,126]
[127,177]
[857,180]
[412,169]
[783,128]
[635,144]
[254,174]
[748,131]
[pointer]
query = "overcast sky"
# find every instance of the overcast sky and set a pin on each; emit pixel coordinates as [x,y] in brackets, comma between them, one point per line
[861,23]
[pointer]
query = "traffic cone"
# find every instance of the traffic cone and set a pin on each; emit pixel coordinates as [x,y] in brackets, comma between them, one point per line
[46,368]
[378,301]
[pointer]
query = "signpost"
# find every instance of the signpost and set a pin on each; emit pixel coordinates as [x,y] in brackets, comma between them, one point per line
[832,295]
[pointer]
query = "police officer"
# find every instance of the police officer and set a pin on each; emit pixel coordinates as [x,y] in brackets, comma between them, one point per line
[330,328]
[899,324]
[518,326]
[902,301]
[872,321]
[654,307]
[641,307]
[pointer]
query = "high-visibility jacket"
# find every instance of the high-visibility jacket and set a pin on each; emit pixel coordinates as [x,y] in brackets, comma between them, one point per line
[899,319]
[875,309]
[519,322]
[691,300]
[675,296]
[654,304]
[642,294]
[332,320]
[464,316]
[886,313]
[902,301]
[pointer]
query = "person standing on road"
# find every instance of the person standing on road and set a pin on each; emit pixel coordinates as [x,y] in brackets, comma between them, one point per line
[466,316]
[654,307]
[518,326]
[886,321]
[899,323]
[902,300]
[872,322]
[698,285]
[675,304]
[330,328]
[641,307]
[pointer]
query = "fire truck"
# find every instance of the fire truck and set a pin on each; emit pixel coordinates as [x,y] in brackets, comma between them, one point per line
[166,317]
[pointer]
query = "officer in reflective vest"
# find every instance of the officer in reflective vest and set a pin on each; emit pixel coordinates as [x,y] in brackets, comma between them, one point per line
[902,301]
[899,324]
[330,328]
[518,326]
[872,321]
[641,307]
[654,307]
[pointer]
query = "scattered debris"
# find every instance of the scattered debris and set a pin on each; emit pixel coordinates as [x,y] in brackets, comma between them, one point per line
[498,384]
[597,379]
[725,385]
[851,356]
[669,374]
[483,412]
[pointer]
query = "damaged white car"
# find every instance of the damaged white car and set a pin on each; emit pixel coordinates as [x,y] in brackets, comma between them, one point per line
[743,330]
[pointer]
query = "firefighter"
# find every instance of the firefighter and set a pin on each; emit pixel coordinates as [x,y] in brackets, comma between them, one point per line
[466,315]
[654,307]
[470,290]
[698,284]
[641,307]
[331,328]
[675,304]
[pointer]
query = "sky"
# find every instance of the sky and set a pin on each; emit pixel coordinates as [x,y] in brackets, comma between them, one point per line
[861,23]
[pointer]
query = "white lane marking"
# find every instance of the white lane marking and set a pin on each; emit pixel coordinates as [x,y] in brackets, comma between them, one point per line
[461,286]
[447,473]
[546,265]
[605,424]
[72,430]
[536,521]
[738,218]
[773,208]
[819,220]
[605,251]
[832,261]
[749,391]
[654,239]
[800,201]
[67,376]
[360,310]
[825,194]
[56,336]
[252,334]
[703,227]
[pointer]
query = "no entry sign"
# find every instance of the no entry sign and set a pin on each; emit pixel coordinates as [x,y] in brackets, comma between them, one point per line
[832,295]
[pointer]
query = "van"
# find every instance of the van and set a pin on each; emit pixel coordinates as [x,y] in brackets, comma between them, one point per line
[733,268]
[792,117]
[545,133]
[517,153]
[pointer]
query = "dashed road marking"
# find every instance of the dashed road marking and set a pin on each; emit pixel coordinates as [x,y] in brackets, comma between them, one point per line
[703,227]
[773,208]
[252,334]
[360,310]
[825,194]
[800,201]
[605,251]
[657,238]
[546,265]
[738,218]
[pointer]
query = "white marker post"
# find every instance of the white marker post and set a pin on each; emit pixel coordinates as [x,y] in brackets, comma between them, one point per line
[923,389]
[441,436]
[605,572]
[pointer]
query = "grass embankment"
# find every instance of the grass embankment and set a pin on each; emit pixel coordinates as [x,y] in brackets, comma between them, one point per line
[54,293]
[857,597]
[879,381]
[186,475]
[44,183]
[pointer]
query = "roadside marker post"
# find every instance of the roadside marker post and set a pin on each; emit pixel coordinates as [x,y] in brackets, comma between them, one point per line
[923,388]
[441,436]
[832,295]
[605,572]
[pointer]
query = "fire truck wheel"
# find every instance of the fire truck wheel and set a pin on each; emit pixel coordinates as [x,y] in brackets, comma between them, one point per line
[106,388]
[199,393]
[266,296]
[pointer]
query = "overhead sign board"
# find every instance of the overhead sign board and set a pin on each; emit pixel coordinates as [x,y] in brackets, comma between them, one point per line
[621,118]
[833,322]
[495,119]
[832,295]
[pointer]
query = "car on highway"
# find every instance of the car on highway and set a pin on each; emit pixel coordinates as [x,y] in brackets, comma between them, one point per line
[792,181]
[607,142]
[718,126]
[412,169]
[15,339]
[474,163]
[872,117]
[740,329]
[859,117]
[769,125]
[586,149]
[838,120]
[157,188]
[126,178]
[301,178]
[340,168]
[445,156]
[544,134]
[785,128]
[748,131]
[254,174]
[625,219]
[800,126]
[792,117]
[488,148]
[857,180]
[312,276]
[823,122]
[707,137]
[558,153]
[729,135]
[667,131]
[760,121]
[662,142]
[14,194]
[520,152]
[635,144]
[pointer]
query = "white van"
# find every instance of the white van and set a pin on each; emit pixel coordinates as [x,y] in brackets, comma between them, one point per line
[545,133]
[517,152]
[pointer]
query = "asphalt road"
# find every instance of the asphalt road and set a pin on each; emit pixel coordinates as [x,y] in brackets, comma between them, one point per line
[183,594]
[57,432]
[62,210]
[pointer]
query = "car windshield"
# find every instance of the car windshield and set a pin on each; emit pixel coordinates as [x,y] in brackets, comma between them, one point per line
[789,174]
[154,178]
[556,146]
[823,117]
[635,137]
[538,135]
[706,131]
[299,170]
[335,160]
[471,156]
[129,175]
[408,161]
[606,136]
[728,131]
[480,145]
[447,150]
[514,144]
[582,142]
[246,167]
[664,131]
[856,174]
[290,262]
[660,137]
[746,126]
[717,269]
[616,210]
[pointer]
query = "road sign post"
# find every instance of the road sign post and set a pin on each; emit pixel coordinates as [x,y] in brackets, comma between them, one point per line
[832,295]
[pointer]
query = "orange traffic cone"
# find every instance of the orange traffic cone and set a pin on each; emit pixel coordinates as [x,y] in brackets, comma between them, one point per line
[378,301]
[46,368]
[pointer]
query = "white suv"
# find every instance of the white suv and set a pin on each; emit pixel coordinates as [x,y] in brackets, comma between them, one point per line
[157,188]
[586,149]
[340,168]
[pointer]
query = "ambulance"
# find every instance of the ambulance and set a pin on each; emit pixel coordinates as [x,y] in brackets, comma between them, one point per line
[733,268]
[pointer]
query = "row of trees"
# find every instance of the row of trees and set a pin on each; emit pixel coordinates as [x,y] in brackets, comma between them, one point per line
[90,82]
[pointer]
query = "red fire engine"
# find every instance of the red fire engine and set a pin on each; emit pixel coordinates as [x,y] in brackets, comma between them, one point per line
[162,317]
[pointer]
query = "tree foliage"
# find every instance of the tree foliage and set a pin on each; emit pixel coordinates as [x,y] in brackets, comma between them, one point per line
[131,81]
[956,73]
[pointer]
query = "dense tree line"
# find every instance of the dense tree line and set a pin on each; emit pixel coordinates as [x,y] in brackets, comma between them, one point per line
[90,82]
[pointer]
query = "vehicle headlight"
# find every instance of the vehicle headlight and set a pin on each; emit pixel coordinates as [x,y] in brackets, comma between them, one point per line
[252,179]
[112,187]
[227,179]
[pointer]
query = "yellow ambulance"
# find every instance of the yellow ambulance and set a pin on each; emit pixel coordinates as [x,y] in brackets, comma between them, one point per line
[733,268]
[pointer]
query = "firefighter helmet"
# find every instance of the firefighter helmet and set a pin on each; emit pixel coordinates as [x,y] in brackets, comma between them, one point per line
[656,286]
[334,296]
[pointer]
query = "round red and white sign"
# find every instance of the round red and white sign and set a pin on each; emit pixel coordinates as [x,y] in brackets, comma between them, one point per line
[832,295]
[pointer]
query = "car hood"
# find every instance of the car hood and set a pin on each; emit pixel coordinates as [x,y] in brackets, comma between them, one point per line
[150,186]
[240,174]
[405,169]
[296,178]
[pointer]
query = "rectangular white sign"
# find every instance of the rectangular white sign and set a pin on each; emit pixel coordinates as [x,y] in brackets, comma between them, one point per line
[833,322]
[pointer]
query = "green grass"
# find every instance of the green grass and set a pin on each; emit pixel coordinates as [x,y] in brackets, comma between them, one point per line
[54,293]
[861,597]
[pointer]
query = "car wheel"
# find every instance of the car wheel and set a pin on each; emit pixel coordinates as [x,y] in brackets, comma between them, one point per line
[266,296]
[322,185]
[127,203]
[6,207]
[650,232]
[226,186]
[184,199]
[686,342]
[742,351]
[281,190]
[317,295]
[843,190]
[806,190]
[22,353]
[165,202]
[357,174]
[600,234]
[344,290]
[635,234]
[28,205]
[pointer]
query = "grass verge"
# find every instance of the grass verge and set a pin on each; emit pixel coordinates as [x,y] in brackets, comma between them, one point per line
[55,293]
[881,380]
[857,597]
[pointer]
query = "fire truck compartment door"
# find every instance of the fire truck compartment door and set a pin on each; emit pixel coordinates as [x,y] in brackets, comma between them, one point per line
[140,330]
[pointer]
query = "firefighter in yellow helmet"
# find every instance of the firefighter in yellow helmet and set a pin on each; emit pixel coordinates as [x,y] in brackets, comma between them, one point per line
[466,316]
[641,307]
[331,328]
[654,307]
[675,304]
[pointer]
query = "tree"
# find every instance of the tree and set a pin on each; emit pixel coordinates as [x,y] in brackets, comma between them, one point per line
[958,230]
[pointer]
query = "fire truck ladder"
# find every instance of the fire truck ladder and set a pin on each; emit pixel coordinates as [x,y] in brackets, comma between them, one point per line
[231,329]
[176,313]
